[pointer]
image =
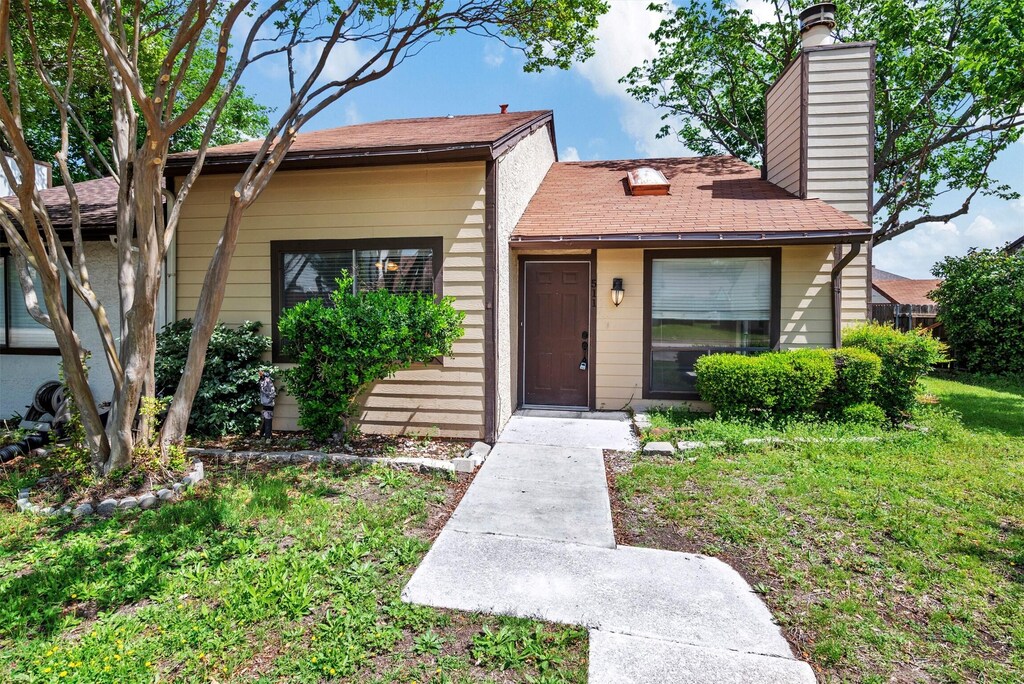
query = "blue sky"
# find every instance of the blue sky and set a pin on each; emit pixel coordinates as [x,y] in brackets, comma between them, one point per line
[596,119]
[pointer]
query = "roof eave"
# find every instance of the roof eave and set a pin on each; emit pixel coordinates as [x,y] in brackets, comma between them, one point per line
[373,156]
[690,239]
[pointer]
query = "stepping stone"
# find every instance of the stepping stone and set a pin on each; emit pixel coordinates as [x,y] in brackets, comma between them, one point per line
[624,659]
[659,449]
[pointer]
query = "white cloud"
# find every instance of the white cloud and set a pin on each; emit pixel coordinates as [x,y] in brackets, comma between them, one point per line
[494,55]
[623,41]
[762,10]
[569,154]
[352,115]
[342,62]
[913,254]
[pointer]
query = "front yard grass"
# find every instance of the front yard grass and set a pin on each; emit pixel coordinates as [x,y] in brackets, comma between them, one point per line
[283,575]
[900,560]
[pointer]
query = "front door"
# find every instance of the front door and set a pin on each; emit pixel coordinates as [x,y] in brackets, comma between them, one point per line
[555,321]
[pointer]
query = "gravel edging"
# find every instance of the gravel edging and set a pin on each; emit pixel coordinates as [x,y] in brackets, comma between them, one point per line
[107,507]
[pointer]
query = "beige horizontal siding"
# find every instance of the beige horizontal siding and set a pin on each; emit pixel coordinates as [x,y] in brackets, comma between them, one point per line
[805,311]
[785,131]
[428,200]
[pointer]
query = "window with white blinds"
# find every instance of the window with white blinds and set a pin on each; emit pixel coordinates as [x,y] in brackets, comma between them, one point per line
[20,330]
[700,305]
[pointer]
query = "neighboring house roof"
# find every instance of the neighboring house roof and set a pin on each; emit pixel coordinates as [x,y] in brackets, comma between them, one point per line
[879,274]
[710,199]
[907,291]
[1015,246]
[478,136]
[97,201]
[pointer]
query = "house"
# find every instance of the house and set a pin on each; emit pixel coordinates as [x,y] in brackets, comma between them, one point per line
[1015,246]
[586,285]
[903,302]
[28,350]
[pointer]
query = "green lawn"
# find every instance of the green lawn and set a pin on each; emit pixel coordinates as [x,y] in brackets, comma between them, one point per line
[289,575]
[899,560]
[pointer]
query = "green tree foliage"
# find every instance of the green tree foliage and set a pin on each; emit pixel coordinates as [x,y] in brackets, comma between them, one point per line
[343,346]
[228,399]
[243,117]
[906,357]
[981,306]
[949,90]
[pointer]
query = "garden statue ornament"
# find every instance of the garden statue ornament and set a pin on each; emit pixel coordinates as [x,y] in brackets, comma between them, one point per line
[268,394]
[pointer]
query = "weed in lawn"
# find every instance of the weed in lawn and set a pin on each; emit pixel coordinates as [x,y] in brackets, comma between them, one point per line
[259,577]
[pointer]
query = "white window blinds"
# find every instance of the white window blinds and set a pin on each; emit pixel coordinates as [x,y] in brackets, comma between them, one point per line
[24,330]
[732,289]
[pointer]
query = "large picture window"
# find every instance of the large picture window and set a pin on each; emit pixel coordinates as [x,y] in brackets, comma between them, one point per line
[19,332]
[302,270]
[698,302]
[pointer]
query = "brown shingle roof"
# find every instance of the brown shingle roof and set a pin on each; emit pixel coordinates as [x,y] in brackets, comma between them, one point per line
[97,203]
[709,196]
[907,291]
[477,132]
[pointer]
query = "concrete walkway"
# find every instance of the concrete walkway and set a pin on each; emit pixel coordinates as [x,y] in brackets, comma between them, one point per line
[533,538]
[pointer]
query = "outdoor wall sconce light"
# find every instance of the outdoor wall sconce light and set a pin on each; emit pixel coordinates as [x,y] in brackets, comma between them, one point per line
[617,292]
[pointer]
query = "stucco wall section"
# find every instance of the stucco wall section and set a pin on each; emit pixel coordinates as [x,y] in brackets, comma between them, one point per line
[520,172]
[427,200]
[20,374]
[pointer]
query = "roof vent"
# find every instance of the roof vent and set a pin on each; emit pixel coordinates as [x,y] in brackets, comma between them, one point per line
[647,181]
[816,24]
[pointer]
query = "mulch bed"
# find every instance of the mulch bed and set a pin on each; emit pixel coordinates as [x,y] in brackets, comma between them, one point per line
[390,446]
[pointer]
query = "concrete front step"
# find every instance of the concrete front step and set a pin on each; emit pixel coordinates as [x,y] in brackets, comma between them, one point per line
[626,659]
[650,593]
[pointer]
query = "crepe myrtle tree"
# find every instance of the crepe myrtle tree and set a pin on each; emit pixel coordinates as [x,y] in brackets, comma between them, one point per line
[949,91]
[298,34]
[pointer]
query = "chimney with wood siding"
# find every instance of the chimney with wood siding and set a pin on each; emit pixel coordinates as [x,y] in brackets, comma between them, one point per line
[819,119]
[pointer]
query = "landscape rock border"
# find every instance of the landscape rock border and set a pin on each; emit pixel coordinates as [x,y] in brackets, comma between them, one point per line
[107,507]
[472,459]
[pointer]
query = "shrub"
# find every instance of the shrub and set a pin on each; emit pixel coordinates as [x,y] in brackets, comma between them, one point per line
[865,413]
[342,347]
[771,385]
[857,373]
[228,395]
[905,358]
[981,307]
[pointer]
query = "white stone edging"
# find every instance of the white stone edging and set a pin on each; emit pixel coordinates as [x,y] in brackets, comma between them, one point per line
[473,458]
[107,507]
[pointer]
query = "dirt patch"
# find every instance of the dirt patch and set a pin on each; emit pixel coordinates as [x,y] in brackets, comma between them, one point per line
[407,446]
[439,513]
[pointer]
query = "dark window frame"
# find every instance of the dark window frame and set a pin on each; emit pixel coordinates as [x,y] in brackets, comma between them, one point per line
[278,248]
[5,347]
[775,308]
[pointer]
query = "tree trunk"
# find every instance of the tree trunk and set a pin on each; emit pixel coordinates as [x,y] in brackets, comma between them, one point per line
[207,311]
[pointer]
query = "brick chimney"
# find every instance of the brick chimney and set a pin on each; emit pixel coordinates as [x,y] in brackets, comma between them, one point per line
[820,118]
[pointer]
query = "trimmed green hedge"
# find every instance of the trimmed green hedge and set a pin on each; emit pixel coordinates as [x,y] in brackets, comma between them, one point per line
[769,385]
[906,357]
[874,375]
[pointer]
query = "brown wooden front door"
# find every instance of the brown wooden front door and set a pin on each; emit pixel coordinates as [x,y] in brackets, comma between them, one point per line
[556,332]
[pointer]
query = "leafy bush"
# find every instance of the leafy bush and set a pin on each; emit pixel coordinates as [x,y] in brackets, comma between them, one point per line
[228,398]
[342,347]
[981,306]
[857,373]
[905,358]
[864,412]
[773,385]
